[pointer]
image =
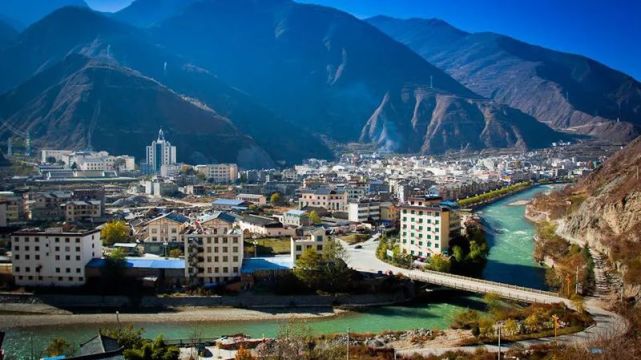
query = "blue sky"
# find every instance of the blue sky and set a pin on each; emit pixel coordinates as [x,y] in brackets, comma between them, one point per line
[606,30]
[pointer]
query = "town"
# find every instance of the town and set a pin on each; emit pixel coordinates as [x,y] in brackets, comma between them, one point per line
[214,229]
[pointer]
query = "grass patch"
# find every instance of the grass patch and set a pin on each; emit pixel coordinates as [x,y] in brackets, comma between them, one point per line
[355,238]
[268,246]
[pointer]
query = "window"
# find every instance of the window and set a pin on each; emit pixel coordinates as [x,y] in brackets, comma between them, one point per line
[67,257]
[68,270]
[77,270]
[78,257]
[16,257]
[57,257]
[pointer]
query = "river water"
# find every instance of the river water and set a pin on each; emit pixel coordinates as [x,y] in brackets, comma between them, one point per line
[510,261]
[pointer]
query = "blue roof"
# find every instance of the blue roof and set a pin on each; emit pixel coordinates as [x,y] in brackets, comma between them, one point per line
[228,202]
[146,263]
[251,265]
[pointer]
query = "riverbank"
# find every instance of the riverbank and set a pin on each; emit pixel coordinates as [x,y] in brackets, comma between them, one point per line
[180,315]
[499,196]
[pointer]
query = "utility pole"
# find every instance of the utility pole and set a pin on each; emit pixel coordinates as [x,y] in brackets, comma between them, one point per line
[347,343]
[499,353]
[576,281]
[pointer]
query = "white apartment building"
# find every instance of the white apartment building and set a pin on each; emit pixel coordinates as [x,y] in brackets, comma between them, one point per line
[53,257]
[427,227]
[332,200]
[219,173]
[213,250]
[363,211]
[160,153]
[315,239]
[90,160]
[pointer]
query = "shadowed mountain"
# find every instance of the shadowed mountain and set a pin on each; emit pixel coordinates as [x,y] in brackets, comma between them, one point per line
[144,13]
[8,34]
[332,73]
[94,35]
[567,92]
[82,102]
[23,13]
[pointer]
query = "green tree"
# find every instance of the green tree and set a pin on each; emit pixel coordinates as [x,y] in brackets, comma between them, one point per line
[314,218]
[440,262]
[308,268]
[58,346]
[114,232]
[153,350]
[511,327]
[458,253]
[275,198]
[175,253]
[127,336]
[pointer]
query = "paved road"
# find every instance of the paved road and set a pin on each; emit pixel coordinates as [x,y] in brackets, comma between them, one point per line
[365,260]
[608,324]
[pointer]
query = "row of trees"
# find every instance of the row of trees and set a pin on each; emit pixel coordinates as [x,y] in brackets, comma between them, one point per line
[490,195]
[397,257]
[518,321]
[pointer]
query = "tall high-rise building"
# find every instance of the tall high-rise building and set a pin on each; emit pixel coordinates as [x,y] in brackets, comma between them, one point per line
[160,153]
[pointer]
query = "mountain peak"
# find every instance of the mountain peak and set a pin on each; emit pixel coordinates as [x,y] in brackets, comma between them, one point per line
[26,13]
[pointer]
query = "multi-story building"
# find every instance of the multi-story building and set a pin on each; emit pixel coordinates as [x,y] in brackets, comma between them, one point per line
[165,228]
[332,200]
[48,205]
[160,153]
[263,226]
[213,250]
[53,257]
[219,173]
[427,226]
[78,210]
[364,211]
[314,239]
[15,206]
[389,213]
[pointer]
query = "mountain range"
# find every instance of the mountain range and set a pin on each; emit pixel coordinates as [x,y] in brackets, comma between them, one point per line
[285,79]
[568,92]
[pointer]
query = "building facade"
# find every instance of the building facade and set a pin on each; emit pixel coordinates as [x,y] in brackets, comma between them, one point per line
[213,251]
[364,211]
[160,153]
[219,173]
[315,239]
[332,200]
[427,227]
[53,257]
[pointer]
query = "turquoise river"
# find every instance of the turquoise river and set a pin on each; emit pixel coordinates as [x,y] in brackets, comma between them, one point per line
[510,261]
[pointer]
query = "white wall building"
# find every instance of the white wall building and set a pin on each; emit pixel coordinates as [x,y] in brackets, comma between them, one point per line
[427,227]
[219,173]
[160,153]
[53,257]
[363,211]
